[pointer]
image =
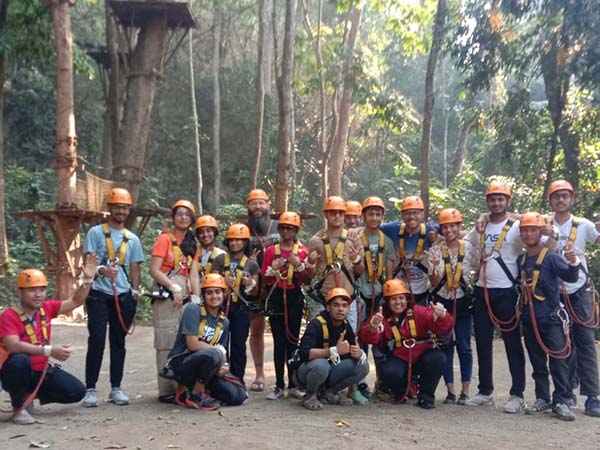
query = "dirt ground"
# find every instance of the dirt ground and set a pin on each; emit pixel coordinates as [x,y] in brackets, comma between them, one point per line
[284,424]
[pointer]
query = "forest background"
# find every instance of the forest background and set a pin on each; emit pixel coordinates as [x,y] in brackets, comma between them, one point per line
[513,92]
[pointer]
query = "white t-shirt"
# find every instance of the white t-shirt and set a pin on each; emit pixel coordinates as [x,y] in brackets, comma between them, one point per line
[511,249]
[586,232]
[206,254]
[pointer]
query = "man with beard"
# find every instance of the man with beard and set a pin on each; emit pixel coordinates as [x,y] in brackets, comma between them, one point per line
[113,297]
[573,234]
[263,232]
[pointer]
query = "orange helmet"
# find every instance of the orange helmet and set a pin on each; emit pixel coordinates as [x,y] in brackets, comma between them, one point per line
[30,278]
[207,221]
[449,215]
[338,292]
[257,194]
[353,208]
[412,202]
[212,280]
[560,185]
[119,196]
[498,188]
[334,203]
[290,218]
[394,287]
[531,219]
[238,231]
[184,203]
[373,201]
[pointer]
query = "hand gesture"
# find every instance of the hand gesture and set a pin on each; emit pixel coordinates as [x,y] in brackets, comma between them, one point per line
[355,352]
[178,299]
[294,260]
[313,257]
[278,263]
[571,256]
[61,352]
[223,370]
[90,265]
[254,254]
[433,257]
[229,280]
[111,271]
[482,223]
[438,311]
[354,254]
[434,236]
[547,230]
[377,319]
[343,346]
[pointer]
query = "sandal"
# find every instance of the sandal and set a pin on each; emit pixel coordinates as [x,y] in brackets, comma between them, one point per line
[257,386]
[335,399]
[312,403]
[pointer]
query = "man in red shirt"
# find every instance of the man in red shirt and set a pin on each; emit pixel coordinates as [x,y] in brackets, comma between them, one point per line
[25,336]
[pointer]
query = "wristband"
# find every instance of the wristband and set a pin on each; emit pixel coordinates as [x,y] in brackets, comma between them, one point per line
[47,350]
[250,287]
[135,292]
[100,268]
[334,356]
[301,267]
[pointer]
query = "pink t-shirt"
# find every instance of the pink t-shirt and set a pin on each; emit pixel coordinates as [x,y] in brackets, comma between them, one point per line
[11,325]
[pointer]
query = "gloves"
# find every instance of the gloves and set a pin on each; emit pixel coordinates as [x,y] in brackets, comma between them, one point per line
[222,350]
[363,359]
[334,356]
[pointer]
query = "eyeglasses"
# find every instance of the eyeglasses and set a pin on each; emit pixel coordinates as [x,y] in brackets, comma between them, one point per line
[183,214]
[287,227]
[411,212]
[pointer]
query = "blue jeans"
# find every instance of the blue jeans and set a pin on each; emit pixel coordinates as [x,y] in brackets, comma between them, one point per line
[319,373]
[462,341]
[19,379]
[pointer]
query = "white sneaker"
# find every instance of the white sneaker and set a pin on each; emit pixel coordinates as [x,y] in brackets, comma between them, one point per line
[296,393]
[23,418]
[118,397]
[90,400]
[514,405]
[480,400]
[276,394]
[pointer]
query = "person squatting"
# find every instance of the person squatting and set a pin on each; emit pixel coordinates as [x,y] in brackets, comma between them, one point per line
[409,292]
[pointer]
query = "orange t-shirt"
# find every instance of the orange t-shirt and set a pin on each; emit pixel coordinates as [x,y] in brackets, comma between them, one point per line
[163,248]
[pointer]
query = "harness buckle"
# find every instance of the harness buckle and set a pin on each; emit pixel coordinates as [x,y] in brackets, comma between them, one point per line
[409,343]
[336,266]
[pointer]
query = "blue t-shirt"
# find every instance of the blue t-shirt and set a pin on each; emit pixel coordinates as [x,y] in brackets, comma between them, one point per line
[391,229]
[95,243]
[553,269]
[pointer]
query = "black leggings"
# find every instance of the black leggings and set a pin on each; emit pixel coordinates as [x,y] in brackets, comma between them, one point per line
[282,347]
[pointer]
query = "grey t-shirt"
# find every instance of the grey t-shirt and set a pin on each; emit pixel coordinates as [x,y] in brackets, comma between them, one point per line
[190,322]
[363,284]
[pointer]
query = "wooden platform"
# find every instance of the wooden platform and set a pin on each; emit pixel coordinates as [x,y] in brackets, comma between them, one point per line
[135,13]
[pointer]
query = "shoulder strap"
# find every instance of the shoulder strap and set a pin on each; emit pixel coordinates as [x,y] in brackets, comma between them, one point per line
[27,324]
[110,248]
[572,233]
[325,328]
[420,243]
[535,276]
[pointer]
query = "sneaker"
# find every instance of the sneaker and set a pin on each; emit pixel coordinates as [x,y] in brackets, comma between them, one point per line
[297,393]
[23,418]
[118,397]
[571,402]
[592,407]
[539,406]
[563,412]
[450,399]
[425,404]
[364,390]
[514,405]
[358,398]
[480,400]
[90,400]
[462,399]
[276,394]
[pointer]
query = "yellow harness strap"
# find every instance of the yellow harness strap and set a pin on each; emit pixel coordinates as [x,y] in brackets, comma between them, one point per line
[499,242]
[369,256]
[110,248]
[290,272]
[237,274]
[29,327]
[178,255]
[572,233]
[411,325]
[208,267]
[325,331]
[202,326]
[453,278]
[338,253]
[420,243]
[535,275]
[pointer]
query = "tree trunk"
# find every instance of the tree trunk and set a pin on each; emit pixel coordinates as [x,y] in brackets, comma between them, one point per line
[216,125]
[66,139]
[436,43]
[260,88]
[195,125]
[3,239]
[146,67]
[462,148]
[340,141]
[111,117]
[284,89]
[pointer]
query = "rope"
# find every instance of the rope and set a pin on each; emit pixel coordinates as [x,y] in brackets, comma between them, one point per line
[594,320]
[499,324]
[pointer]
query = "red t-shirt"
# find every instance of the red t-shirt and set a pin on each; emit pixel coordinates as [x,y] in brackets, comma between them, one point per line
[268,258]
[11,325]
[163,247]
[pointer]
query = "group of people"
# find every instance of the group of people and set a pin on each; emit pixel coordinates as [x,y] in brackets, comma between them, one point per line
[408,291]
